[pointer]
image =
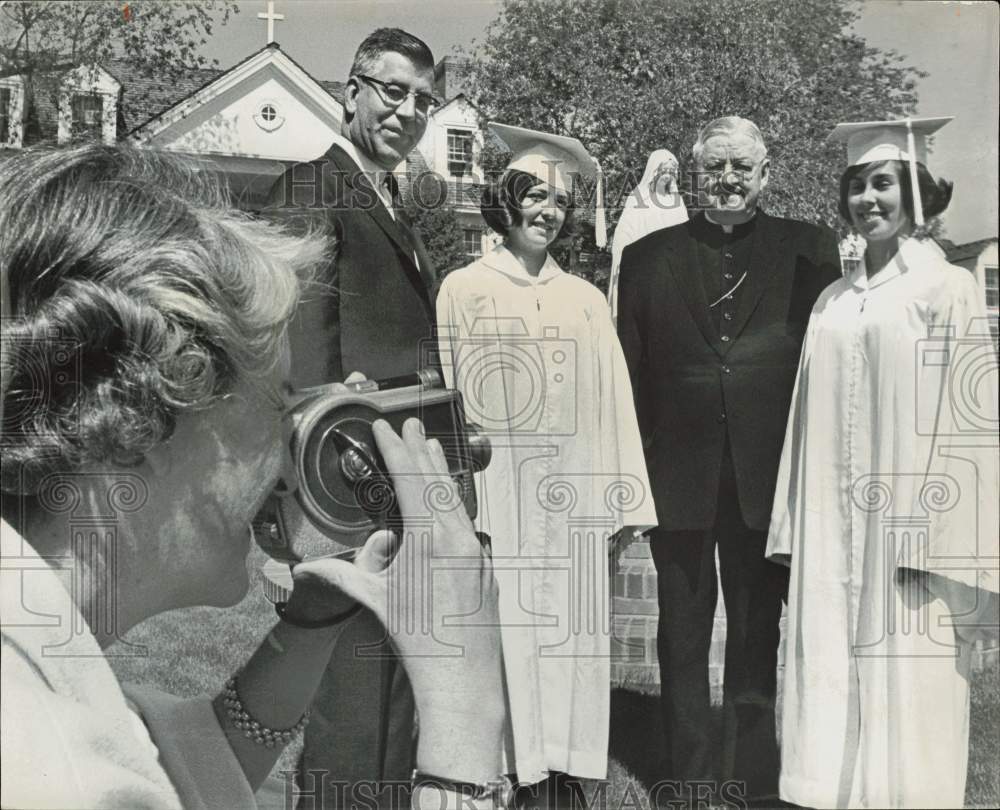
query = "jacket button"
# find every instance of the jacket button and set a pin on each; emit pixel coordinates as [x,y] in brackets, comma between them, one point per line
[726,370]
[725,338]
[728,316]
[720,418]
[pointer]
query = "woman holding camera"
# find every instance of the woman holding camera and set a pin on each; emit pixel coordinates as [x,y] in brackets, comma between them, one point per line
[144,384]
[535,355]
[886,505]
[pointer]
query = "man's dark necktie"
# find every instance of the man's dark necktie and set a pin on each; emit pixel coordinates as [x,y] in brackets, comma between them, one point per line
[404,226]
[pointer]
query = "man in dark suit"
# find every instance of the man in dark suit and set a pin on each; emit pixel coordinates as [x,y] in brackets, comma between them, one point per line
[370,310]
[711,317]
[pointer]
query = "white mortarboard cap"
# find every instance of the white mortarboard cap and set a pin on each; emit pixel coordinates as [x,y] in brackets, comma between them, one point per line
[905,139]
[554,159]
[871,141]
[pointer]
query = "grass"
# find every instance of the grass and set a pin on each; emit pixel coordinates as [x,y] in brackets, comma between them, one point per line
[193,651]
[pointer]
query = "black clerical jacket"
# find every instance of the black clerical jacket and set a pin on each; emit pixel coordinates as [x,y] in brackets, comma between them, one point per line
[370,308]
[691,388]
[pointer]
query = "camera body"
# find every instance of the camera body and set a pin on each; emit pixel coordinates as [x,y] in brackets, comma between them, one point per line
[344,492]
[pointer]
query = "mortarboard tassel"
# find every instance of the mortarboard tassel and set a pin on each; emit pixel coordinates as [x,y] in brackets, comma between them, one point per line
[600,222]
[911,149]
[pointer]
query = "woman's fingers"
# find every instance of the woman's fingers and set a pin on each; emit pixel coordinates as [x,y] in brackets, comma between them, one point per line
[424,486]
[416,442]
[377,552]
[405,465]
[437,457]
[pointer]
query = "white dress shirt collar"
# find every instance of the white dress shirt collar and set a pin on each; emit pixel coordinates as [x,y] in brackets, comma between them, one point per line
[375,173]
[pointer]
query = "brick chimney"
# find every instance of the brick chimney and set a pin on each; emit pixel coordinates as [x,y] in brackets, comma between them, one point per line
[451,76]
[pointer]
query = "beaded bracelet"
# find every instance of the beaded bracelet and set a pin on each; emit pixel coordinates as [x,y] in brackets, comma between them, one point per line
[253,729]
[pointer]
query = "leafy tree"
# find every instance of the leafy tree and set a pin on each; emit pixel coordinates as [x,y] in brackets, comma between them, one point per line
[442,236]
[629,76]
[426,200]
[43,41]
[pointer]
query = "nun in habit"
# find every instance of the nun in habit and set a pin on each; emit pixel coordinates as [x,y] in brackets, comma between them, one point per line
[535,354]
[654,203]
[886,504]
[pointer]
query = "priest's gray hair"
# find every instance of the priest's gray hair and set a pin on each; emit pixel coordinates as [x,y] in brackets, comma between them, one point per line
[135,293]
[729,125]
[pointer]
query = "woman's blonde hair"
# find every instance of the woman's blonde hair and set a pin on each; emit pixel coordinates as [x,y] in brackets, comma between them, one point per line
[135,293]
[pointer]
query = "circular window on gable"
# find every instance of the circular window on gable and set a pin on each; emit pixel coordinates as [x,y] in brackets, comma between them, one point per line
[268,116]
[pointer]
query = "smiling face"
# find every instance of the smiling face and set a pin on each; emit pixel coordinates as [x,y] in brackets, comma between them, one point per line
[542,214]
[733,172]
[385,133]
[875,202]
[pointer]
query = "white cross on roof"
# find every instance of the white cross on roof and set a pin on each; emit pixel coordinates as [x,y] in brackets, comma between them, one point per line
[270,16]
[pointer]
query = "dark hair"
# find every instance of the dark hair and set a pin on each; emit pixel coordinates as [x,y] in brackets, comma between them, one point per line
[934,194]
[501,203]
[395,40]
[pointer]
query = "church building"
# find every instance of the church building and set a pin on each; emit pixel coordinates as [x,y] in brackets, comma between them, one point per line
[249,123]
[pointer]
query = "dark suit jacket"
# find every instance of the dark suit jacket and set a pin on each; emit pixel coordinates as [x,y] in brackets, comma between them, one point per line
[691,388]
[370,309]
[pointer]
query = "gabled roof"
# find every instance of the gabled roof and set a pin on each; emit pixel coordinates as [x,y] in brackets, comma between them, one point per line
[335,89]
[453,100]
[970,250]
[323,92]
[144,96]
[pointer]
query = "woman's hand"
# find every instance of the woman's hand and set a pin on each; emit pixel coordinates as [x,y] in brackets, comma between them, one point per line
[434,591]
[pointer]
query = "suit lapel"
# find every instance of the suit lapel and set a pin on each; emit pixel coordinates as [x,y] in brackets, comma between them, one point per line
[685,265]
[357,181]
[765,255]
[426,266]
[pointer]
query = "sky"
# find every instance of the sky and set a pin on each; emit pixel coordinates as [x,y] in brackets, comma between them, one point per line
[955,43]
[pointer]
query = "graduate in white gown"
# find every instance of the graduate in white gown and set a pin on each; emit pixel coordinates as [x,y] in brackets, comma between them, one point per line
[536,357]
[886,505]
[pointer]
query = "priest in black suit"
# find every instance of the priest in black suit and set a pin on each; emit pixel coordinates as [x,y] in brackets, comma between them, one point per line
[370,310]
[711,317]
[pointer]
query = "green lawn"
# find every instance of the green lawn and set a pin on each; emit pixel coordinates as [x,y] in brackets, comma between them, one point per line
[189,652]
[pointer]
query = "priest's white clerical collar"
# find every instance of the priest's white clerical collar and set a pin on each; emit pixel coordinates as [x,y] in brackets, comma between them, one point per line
[503,261]
[727,227]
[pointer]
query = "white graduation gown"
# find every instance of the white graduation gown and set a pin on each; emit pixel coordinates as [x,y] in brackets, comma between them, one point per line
[541,370]
[889,468]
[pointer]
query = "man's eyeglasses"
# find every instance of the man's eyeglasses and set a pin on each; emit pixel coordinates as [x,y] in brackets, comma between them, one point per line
[393,95]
